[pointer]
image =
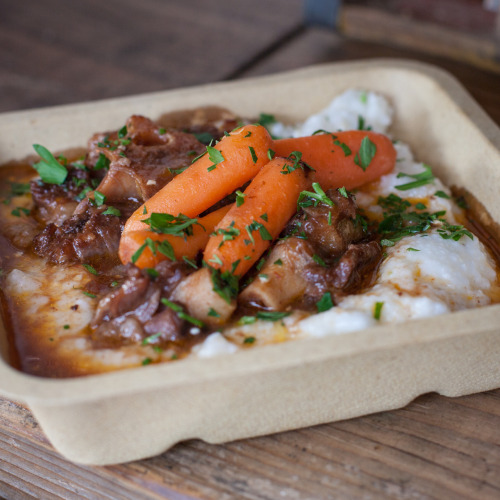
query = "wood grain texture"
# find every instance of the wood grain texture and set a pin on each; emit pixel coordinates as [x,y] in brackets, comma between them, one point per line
[54,52]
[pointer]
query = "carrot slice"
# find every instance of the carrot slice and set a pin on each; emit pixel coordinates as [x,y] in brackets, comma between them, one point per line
[343,159]
[247,230]
[188,246]
[225,167]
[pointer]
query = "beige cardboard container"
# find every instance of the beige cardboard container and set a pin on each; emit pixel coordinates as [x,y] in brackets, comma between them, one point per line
[132,414]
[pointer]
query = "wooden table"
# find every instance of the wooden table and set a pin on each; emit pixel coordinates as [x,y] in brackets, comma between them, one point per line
[55,52]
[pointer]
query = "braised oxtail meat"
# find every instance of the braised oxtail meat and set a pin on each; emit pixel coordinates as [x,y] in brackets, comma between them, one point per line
[330,229]
[54,203]
[327,255]
[89,236]
[135,311]
[143,159]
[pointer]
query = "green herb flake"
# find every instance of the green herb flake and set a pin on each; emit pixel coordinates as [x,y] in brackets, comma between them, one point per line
[454,232]
[99,198]
[270,154]
[278,262]
[213,313]
[247,320]
[420,206]
[66,327]
[249,340]
[366,153]
[102,162]
[225,284]
[252,152]
[425,177]
[88,294]
[266,119]
[176,225]
[248,134]
[162,131]
[272,315]
[49,169]
[153,273]
[308,198]
[151,339]
[112,211]
[90,269]
[138,253]
[122,132]
[343,192]
[215,157]
[378,310]
[264,217]
[442,194]
[411,249]
[345,148]
[319,260]
[146,361]
[18,210]
[114,284]
[240,198]
[189,262]
[325,303]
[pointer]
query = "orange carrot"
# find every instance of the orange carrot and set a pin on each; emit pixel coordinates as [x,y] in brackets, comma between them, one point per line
[247,230]
[343,159]
[187,246]
[225,167]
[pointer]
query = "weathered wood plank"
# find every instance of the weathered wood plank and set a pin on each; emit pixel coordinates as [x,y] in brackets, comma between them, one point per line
[56,52]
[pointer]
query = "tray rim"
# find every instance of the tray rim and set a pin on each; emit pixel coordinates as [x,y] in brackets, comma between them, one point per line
[21,386]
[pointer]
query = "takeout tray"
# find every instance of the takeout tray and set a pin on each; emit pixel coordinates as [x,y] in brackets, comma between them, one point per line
[137,413]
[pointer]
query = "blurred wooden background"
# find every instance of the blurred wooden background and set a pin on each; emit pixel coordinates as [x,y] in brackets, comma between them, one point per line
[56,52]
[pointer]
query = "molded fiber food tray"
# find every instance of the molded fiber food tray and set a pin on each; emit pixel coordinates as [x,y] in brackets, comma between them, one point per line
[132,414]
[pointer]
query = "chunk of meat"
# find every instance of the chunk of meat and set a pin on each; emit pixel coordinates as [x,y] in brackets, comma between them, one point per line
[282,279]
[54,203]
[197,294]
[143,161]
[330,229]
[344,276]
[89,236]
[134,311]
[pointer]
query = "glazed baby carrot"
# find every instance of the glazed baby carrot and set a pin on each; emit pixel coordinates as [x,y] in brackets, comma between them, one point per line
[135,246]
[246,231]
[222,169]
[343,159]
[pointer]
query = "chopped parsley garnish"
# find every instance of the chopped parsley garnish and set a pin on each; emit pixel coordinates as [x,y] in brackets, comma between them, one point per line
[272,315]
[343,192]
[102,162]
[88,294]
[163,247]
[325,302]
[257,226]
[225,284]
[179,225]
[378,310]
[442,194]
[295,157]
[215,157]
[122,132]
[252,152]
[216,260]
[19,188]
[319,260]
[18,210]
[345,148]
[264,217]
[227,234]
[240,198]
[204,137]
[213,313]
[90,269]
[66,327]
[249,340]
[153,273]
[99,198]
[366,152]
[308,198]
[361,124]
[112,211]
[278,262]
[50,170]
[425,177]
[266,119]
[453,232]
[162,131]
[146,361]
[181,314]
[411,249]
[270,154]
[189,262]
[247,320]
[151,339]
